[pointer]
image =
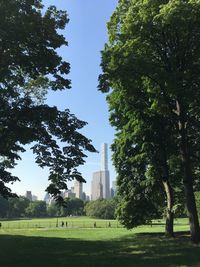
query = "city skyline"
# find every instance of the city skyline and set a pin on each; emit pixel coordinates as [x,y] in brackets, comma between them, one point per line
[102,177]
[78,188]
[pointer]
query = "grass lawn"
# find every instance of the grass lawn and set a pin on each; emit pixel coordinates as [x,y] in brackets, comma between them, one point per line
[66,247]
[79,222]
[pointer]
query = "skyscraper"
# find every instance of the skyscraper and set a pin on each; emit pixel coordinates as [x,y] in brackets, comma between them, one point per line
[47,198]
[28,195]
[113,189]
[104,157]
[101,179]
[97,190]
[78,189]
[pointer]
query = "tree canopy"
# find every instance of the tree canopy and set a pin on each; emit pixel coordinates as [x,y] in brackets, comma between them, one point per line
[30,66]
[101,208]
[152,59]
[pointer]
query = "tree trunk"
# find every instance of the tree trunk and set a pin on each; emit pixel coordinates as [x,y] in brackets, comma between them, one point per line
[164,174]
[188,178]
[169,226]
[189,195]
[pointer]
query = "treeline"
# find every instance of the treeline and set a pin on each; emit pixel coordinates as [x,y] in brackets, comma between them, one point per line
[22,207]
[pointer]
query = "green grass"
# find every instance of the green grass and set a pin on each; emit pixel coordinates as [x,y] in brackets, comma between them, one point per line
[71,247]
[78,222]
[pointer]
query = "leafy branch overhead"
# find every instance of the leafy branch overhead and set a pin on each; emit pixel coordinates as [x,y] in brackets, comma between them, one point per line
[29,67]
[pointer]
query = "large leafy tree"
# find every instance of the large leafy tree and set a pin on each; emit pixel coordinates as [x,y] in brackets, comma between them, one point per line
[101,208]
[29,66]
[141,157]
[158,41]
[73,207]
[16,207]
[36,209]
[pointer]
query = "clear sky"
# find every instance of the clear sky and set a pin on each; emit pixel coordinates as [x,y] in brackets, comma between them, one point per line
[86,34]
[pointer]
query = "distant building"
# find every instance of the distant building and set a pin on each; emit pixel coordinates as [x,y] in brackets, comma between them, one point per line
[69,194]
[113,189]
[84,196]
[34,198]
[78,189]
[97,187]
[112,193]
[104,157]
[101,179]
[47,198]
[72,189]
[28,195]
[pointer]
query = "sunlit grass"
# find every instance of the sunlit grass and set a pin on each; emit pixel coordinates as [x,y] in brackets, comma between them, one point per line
[108,246]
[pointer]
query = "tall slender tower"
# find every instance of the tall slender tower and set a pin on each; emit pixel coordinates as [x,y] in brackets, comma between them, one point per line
[105,176]
[104,157]
[101,179]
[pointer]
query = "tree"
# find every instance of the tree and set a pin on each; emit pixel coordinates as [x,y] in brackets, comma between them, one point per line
[197,196]
[157,42]
[36,209]
[53,210]
[101,208]
[139,198]
[72,206]
[17,207]
[29,66]
[142,134]
[3,207]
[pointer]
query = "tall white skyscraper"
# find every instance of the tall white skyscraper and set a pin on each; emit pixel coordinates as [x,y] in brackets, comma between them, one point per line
[78,189]
[104,157]
[101,179]
[97,190]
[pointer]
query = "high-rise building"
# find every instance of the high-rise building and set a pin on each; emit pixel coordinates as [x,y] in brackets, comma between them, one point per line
[47,198]
[84,196]
[104,157]
[97,187]
[105,175]
[29,195]
[113,189]
[78,189]
[69,194]
[101,179]
[34,198]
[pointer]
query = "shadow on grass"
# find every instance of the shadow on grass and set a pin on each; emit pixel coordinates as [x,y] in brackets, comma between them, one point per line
[150,250]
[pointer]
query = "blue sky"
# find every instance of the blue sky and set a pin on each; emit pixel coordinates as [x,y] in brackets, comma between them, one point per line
[86,34]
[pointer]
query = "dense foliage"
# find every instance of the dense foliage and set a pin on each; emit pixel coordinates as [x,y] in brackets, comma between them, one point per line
[151,63]
[72,207]
[101,208]
[30,66]
[22,207]
[36,209]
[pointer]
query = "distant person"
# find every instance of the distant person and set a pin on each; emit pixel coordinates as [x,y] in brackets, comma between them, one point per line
[95,225]
[109,224]
[66,224]
[62,224]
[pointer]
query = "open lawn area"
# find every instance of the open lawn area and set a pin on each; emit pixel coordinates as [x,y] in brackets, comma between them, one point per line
[143,246]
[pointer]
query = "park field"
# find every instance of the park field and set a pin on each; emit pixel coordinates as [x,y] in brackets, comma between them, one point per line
[40,243]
